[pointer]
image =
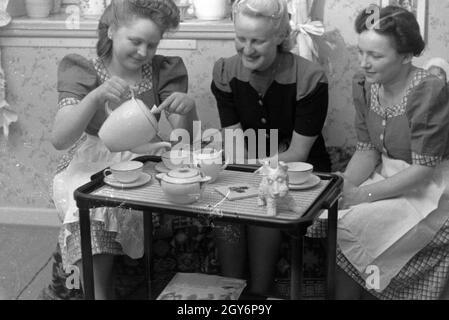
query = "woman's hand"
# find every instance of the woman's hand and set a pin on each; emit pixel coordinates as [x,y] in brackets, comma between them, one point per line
[112,90]
[153,148]
[177,102]
[352,195]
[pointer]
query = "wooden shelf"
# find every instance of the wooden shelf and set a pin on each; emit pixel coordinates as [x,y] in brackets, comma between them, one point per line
[60,26]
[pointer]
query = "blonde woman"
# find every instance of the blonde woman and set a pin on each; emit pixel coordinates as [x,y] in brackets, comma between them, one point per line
[264,86]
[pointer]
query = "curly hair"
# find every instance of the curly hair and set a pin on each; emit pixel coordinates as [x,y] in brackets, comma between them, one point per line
[164,13]
[398,24]
[275,10]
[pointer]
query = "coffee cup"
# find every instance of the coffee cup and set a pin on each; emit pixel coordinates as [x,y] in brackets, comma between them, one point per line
[177,158]
[125,172]
[299,172]
[209,161]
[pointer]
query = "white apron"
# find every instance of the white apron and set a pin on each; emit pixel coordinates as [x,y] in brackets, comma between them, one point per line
[91,157]
[386,234]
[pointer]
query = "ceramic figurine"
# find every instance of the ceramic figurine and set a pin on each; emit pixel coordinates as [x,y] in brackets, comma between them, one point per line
[273,189]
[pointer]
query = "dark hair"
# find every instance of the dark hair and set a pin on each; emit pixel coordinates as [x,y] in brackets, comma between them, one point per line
[398,24]
[164,13]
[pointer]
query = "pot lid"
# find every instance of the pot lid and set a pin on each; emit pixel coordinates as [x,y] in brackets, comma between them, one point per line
[183,176]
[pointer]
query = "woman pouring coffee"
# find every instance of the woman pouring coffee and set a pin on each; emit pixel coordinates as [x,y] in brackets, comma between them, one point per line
[129,34]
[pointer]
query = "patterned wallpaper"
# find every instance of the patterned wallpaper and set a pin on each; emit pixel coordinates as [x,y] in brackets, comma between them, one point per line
[27,159]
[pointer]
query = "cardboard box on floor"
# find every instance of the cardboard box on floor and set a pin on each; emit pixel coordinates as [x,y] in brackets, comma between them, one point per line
[198,286]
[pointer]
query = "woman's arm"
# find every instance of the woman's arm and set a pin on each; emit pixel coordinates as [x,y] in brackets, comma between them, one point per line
[298,151]
[232,150]
[71,121]
[299,148]
[400,183]
[178,102]
[361,166]
[172,87]
[180,110]
[310,111]
[394,186]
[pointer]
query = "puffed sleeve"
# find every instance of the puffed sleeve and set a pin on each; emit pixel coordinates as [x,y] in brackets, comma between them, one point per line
[76,78]
[222,92]
[428,115]
[172,76]
[361,98]
[312,98]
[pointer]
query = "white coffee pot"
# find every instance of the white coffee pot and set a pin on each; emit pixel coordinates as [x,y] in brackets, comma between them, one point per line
[130,126]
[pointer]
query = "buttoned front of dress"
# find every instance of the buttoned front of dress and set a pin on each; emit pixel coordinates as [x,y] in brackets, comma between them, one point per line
[294,98]
[398,131]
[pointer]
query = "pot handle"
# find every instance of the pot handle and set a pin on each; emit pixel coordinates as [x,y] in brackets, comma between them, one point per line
[107,172]
[159,177]
[225,165]
[205,179]
[107,110]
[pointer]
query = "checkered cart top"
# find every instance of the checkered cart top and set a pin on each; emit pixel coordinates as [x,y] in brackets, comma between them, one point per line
[152,194]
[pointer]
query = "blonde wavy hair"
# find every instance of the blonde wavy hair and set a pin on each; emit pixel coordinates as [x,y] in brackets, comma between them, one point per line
[275,10]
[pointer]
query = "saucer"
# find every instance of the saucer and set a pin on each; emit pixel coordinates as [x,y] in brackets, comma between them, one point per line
[310,183]
[160,167]
[143,179]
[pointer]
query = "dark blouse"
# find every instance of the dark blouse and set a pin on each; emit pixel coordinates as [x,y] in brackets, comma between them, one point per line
[416,130]
[77,76]
[297,100]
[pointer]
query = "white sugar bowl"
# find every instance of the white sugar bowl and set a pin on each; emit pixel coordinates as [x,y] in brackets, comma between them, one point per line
[183,185]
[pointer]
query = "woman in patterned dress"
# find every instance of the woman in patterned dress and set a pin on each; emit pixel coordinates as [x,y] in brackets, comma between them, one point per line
[393,229]
[129,34]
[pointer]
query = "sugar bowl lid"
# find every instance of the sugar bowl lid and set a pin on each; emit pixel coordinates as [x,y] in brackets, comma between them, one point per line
[183,176]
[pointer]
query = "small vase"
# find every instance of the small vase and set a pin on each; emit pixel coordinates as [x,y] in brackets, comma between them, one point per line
[56,7]
[92,9]
[211,9]
[39,8]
